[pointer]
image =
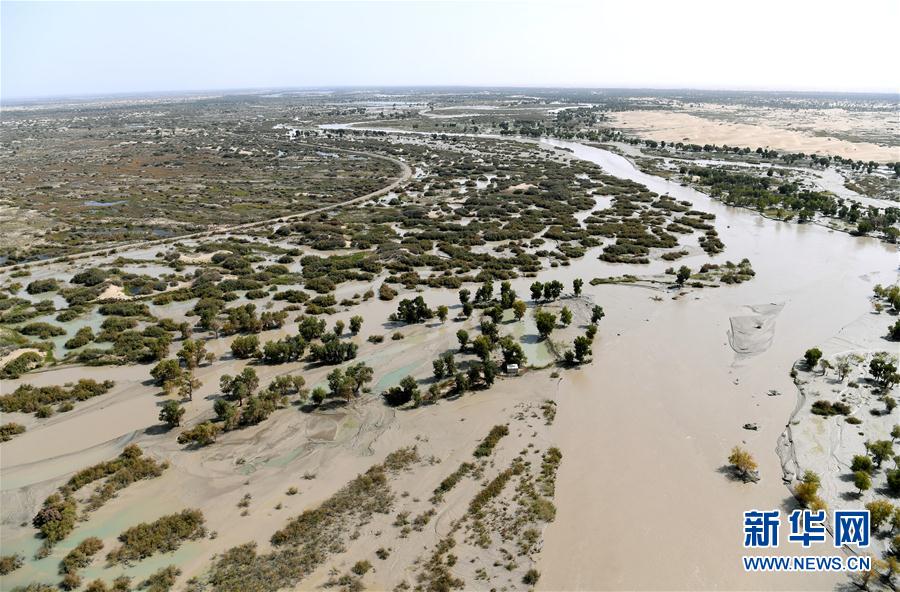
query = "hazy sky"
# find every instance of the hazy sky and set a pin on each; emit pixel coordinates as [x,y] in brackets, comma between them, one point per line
[72,48]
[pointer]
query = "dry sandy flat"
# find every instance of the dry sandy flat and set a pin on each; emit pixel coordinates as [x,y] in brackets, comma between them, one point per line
[684,127]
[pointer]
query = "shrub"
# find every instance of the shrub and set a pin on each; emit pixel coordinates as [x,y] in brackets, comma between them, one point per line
[29,399]
[10,563]
[360,568]
[81,556]
[42,330]
[164,535]
[8,430]
[487,445]
[161,580]
[245,346]
[21,364]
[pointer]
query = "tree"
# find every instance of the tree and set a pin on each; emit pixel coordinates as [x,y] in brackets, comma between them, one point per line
[884,370]
[512,352]
[485,292]
[407,391]
[843,367]
[565,316]
[889,404]
[187,384]
[488,372]
[339,328]
[537,289]
[881,450]
[464,296]
[245,346]
[597,314]
[192,353]
[582,348]
[414,311]
[311,328]
[333,352]
[482,347]
[495,313]
[203,434]
[166,371]
[519,309]
[286,385]
[226,413]
[356,322]
[442,312]
[318,395]
[438,368]
[462,336]
[545,322]
[449,363]
[894,331]
[577,284]
[171,413]
[808,488]
[552,290]
[348,382]
[507,295]
[467,309]
[684,272]
[861,462]
[879,511]
[812,357]
[461,383]
[862,481]
[743,464]
[241,386]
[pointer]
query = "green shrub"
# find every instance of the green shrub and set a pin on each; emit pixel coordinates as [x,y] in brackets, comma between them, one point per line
[487,445]
[164,535]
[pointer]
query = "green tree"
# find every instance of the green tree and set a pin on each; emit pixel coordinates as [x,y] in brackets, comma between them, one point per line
[880,451]
[684,273]
[438,368]
[597,314]
[512,352]
[577,284]
[537,289]
[862,481]
[545,322]
[812,357]
[463,337]
[241,386]
[165,371]
[519,309]
[203,434]
[171,413]
[482,347]
[449,363]
[565,316]
[339,328]
[884,370]
[461,383]
[245,346]
[442,312]
[192,353]
[356,322]
[582,348]
[861,462]
[879,511]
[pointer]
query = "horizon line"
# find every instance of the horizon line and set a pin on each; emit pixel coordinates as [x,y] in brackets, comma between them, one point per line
[226,91]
